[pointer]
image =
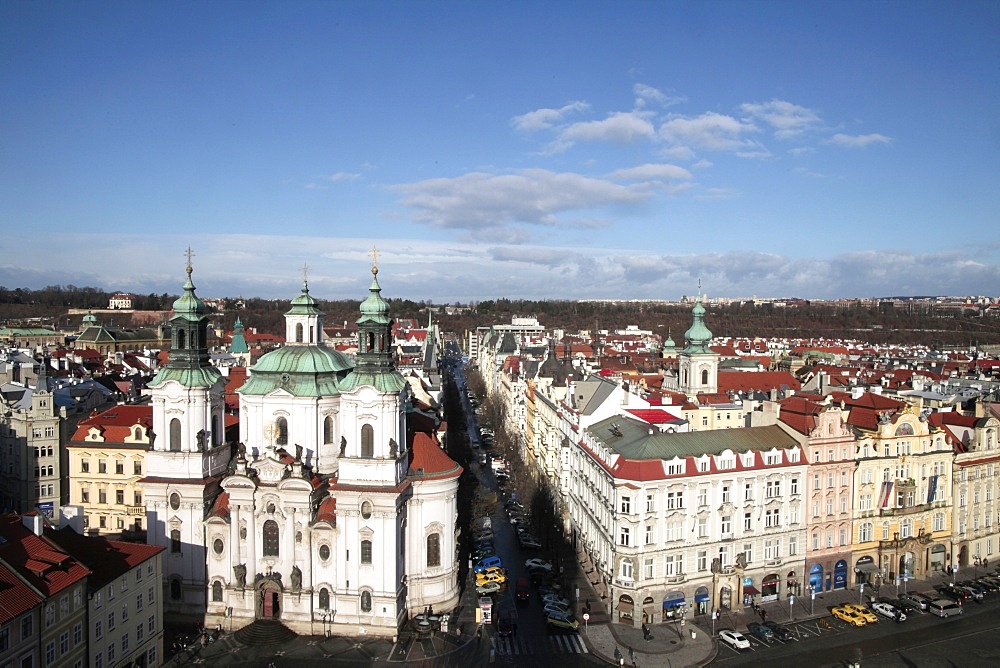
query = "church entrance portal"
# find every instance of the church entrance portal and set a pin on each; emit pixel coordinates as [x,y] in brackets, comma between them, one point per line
[268,601]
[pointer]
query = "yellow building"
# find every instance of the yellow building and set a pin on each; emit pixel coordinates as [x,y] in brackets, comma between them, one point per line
[106,458]
[902,518]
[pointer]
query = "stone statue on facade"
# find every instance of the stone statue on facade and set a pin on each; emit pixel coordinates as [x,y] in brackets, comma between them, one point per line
[296,578]
[241,574]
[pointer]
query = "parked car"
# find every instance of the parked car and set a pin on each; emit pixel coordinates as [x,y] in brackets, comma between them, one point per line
[483,578]
[537,564]
[865,613]
[529,542]
[488,587]
[760,631]
[780,632]
[561,622]
[917,599]
[906,605]
[734,639]
[555,598]
[849,616]
[557,609]
[523,589]
[890,611]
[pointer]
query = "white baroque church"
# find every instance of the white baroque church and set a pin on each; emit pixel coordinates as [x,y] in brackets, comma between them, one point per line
[336,511]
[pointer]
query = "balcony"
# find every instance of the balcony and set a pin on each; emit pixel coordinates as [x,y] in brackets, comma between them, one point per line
[675,579]
[136,511]
[773,562]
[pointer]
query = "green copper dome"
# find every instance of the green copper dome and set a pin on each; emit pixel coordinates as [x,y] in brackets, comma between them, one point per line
[188,305]
[304,371]
[374,308]
[304,304]
[698,336]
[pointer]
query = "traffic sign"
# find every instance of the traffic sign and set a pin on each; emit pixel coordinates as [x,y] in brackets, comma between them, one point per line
[586,616]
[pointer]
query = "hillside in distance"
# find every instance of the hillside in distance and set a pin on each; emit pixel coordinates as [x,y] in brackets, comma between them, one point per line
[924,323]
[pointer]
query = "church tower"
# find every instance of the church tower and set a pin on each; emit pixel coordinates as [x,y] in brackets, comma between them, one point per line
[188,455]
[698,365]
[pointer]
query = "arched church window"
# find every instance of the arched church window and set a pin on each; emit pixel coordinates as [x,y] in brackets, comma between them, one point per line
[298,332]
[367,441]
[216,430]
[180,339]
[328,430]
[137,434]
[324,599]
[371,342]
[175,435]
[281,427]
[175,541]
[175,589]
[434,550]
[704,377]
[366,601]
[217,592]
[270,532]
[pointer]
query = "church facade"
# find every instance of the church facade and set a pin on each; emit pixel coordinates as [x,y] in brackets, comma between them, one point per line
[335,512]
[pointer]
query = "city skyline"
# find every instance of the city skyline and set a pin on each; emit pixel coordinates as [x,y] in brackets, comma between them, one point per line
[589,151]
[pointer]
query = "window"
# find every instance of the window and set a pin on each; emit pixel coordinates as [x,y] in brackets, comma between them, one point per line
[366,552]
[217,591]
[328,429]
[938,521]
[624,536]
[366,601]
[434,550]
[111,620]
[324,599]
[138,602]
[77,634]
[63,642]
[98,631]
[650,504]
[829,538]
[111,653]
[702,527]
[772,549]
[626,505]
[137,498]
[175,541]
[270,532]
[124,643]
[726,495]
[119,467]
[50,653]
[175,435]
[120,497]
[843,537]
[136,467]
[626,569]
[675,500]
[650,537]
[815,542]
[829,506]
[102,495]
[748,491]
[102,465]
[673,565]
[727,525]
[175,589]
[773,489]
[367,441]
[794,486]
[748,521]
[748,552]
[281,431]
[50,615]
[702,497]
[647,569]
[885,531]
[140,632]
[85,466]
[771,518]
[702,561]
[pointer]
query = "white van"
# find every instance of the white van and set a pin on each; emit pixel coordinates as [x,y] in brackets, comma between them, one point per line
[944,607]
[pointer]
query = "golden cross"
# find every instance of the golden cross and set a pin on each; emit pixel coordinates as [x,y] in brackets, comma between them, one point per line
[305,272]
[374,255]
[190,254]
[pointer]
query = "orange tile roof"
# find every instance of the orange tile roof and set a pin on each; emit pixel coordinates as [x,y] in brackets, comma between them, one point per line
[42,565]
[429,461]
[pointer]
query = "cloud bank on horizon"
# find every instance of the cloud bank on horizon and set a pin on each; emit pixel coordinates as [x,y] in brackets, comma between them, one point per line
[817,166]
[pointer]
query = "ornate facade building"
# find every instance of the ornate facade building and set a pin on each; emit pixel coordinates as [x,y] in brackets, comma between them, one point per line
[336,510]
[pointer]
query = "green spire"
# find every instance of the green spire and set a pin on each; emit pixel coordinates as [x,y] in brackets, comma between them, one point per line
[698,336]
[239,343]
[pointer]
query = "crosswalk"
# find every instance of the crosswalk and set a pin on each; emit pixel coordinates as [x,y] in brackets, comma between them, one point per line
[554,644]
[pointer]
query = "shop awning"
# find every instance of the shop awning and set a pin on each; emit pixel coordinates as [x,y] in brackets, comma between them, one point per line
[868,568]
[673,603]
[700,598]
[750,589]
[626,606]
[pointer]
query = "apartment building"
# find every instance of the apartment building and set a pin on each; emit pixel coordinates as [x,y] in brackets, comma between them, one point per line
[688,522]
[903,495]
[106,458]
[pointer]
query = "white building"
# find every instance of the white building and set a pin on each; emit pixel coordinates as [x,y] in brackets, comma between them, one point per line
[333,512]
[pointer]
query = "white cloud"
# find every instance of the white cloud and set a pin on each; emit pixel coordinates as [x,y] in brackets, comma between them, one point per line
[489,203]
[650,172]
[644,94]
[788,120]
[710,131]
[543,119]
[859,141]
[619,127]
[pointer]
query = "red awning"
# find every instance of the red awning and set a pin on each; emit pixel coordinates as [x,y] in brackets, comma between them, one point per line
[750,589]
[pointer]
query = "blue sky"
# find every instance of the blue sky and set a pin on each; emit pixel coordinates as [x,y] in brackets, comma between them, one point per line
[503,149]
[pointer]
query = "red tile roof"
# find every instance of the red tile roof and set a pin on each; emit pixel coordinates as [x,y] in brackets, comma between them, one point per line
[16,595]
[429,461]
[756,381]
[107,559]
[116,423]
[41,564]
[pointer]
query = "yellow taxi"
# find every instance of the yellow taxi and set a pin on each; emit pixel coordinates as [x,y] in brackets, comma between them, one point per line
[862,612]
[849,616]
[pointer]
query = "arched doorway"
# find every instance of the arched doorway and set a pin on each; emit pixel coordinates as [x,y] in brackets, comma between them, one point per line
[672,603]
[269,600]
[792,585]
[701,601]
[840,575]
[769,587]
[626,607]
[648,610]
[963,556]
[726,597]
[816,577]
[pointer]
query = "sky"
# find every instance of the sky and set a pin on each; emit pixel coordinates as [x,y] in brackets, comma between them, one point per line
[523,150]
